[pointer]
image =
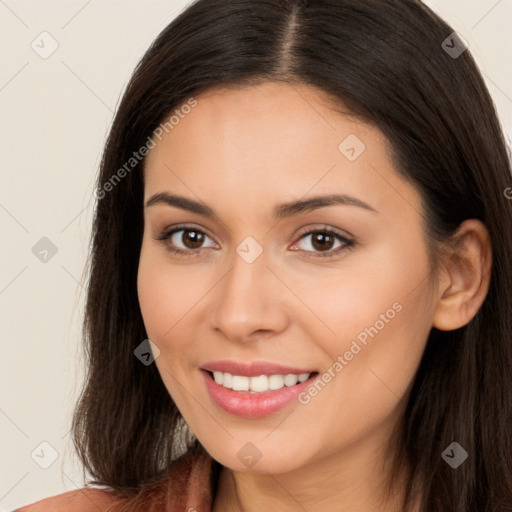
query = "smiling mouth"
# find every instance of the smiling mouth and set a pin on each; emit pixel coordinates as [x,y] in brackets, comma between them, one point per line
[258,384]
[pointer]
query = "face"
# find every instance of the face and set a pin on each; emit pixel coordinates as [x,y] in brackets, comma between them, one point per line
[337,288]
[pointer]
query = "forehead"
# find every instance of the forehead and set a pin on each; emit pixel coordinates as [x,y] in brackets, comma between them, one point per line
[273,140]
[277,116]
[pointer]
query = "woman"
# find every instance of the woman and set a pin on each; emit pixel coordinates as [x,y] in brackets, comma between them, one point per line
[303,206]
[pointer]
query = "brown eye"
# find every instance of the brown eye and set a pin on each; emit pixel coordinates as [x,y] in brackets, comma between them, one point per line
[185,240]
[322,241]
[192,239]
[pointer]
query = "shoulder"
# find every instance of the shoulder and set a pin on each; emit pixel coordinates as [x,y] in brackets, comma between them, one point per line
[86,499]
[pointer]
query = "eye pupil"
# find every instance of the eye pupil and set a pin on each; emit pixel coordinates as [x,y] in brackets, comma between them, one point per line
[322,241]
[192,239]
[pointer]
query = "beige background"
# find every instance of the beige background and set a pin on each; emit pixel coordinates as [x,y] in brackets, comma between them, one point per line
[55,113]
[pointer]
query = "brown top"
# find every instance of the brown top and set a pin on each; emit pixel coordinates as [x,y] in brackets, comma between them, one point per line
[188,486]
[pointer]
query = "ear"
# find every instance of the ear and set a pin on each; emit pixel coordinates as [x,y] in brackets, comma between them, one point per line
[465,277]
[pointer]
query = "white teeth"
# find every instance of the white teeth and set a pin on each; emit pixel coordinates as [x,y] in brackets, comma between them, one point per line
[227,380]
[258,384]
[291,379]
[240,383]
[304,376]
[276,382]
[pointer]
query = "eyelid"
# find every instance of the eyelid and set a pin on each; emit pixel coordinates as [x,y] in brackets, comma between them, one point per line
[346,239]
[168,231]
[325,227]
[165,235]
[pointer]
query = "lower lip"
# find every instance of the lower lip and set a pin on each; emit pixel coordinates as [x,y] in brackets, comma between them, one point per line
[253,405]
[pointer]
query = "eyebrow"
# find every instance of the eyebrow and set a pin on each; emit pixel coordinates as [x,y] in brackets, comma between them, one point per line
[281,211]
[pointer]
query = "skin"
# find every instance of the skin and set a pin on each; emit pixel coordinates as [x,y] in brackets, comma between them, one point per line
[242,151]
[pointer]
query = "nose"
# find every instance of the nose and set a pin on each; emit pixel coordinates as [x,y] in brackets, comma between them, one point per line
[250,302]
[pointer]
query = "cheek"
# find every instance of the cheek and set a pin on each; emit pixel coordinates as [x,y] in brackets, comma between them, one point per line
[166,293]
[373,312]
[154,294]
[366,285]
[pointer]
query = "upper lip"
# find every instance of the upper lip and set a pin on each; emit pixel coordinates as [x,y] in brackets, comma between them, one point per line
[253,369]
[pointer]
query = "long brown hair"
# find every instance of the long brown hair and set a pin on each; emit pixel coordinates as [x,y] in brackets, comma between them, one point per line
[385,61]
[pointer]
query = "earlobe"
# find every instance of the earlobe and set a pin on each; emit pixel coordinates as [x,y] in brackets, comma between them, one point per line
[467,274]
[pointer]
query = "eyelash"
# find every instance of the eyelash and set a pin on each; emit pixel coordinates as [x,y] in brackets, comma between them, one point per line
[349,244]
